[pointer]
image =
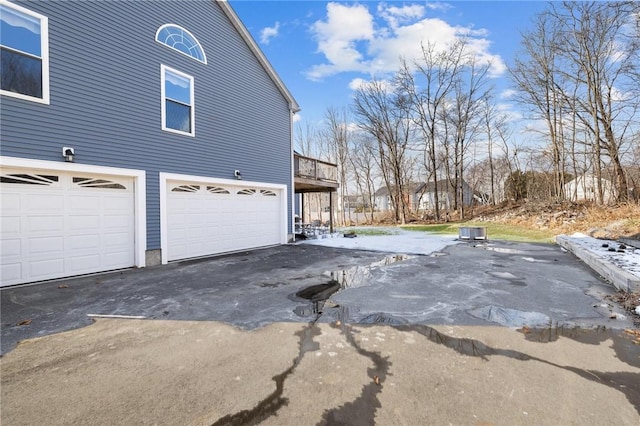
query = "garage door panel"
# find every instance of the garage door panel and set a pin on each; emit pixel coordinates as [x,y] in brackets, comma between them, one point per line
[50,203]
[44,224]
[116,239]
[84,203]
[59,227]
[116,221]
[11,247]
[11,204]
[220,218]
[85,263]
[117,204]
[11,271]
[11,226]
[83,242]
[46,245]
[84,223]
[46,268]
[111,260]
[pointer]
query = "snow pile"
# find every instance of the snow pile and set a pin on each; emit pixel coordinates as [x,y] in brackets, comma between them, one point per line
[401,241]
[623,256]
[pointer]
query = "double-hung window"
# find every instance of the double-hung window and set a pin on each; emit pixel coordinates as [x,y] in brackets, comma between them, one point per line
[24,43]
[177,102]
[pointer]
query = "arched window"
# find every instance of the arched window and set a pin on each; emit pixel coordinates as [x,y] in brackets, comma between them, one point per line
[181,40]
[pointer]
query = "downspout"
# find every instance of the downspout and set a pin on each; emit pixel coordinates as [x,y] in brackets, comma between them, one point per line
[292,190]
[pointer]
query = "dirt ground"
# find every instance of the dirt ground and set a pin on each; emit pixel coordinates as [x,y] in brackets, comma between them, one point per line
[608,222]
[201,373]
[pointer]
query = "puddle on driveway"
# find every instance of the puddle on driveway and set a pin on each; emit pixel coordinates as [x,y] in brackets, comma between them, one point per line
[318,295]
[627,350]
[625,343]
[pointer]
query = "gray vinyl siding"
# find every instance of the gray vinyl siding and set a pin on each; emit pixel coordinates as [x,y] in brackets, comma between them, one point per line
[105,98]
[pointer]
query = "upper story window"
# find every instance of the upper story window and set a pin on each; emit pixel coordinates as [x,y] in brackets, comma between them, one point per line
[181,40]
[24,41]
[178,112]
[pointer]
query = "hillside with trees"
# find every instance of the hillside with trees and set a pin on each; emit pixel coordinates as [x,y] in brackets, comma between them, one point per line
[437,124]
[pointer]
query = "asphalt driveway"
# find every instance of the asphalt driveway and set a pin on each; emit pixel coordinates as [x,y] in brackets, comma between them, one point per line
[300,334]
[484,283]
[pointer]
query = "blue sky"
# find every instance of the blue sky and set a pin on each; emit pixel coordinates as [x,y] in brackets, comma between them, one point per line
[320,49]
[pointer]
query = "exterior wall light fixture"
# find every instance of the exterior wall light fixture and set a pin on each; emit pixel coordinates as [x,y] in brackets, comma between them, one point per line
[68,153]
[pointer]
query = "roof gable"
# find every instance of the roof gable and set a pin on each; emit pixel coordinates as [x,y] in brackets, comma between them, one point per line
[255,49]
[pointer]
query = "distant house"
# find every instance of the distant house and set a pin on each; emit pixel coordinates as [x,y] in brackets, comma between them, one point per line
[421,196]
[585,188]
[383,201]
[356,203]
[426,195]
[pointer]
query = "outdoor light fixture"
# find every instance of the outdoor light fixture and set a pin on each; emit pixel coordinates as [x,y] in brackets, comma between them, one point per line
[68,153]
[237,174]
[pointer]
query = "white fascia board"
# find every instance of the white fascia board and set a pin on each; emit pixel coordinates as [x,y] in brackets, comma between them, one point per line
[140,191]
[244,33]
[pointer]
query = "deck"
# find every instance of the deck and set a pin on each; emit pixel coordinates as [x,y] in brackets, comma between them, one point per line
[313,175]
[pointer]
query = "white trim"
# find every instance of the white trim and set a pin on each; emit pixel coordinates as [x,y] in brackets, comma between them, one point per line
[178,50]
[140,192]
[163,71]
[44,52]
[292,191]
[165,177]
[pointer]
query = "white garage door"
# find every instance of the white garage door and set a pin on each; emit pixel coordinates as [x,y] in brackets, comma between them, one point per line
[205,219]
[57,224]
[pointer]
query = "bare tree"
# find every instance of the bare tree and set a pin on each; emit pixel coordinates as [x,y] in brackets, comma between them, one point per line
[382,111]
[336,135]
[429,82]
[535,73]
[580,69]
[364,169]
[604,58]
[469,97]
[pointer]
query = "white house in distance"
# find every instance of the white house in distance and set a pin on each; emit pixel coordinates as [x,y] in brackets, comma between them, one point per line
[421,196]
[585,188]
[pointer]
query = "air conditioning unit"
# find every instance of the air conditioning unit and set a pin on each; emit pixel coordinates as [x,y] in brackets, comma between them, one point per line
[472,233]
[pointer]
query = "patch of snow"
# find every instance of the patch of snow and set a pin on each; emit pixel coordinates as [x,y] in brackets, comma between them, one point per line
[401,241]
[638,310]
[627,259]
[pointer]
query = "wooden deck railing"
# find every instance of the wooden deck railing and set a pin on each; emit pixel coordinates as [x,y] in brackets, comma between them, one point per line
[311,168]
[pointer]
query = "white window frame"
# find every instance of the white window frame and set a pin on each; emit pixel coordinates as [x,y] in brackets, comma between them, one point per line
[163,70]
[44,51]
[204,55]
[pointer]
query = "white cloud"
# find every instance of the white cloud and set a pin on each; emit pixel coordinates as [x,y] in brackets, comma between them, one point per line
[359,83]
[507,94]
[397,15]
[297,117]
[619,96]
[352,39]
[337,38]
[509,112]
[16,19]
[269,32]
